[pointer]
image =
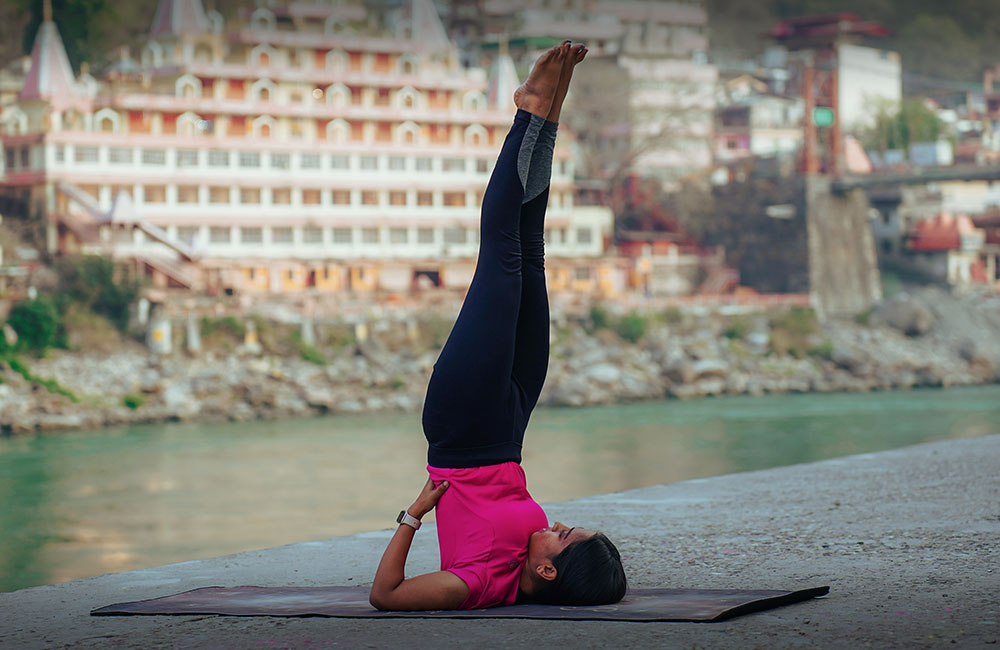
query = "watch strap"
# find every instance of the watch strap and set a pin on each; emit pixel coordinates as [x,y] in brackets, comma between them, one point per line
[408,519]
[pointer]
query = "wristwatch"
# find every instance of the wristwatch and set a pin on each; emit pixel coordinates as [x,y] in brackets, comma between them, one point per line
[408,519]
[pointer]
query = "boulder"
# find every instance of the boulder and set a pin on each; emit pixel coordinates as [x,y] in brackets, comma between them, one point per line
[604,373]
[907,314]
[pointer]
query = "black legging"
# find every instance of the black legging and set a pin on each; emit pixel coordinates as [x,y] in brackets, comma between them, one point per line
[490,372]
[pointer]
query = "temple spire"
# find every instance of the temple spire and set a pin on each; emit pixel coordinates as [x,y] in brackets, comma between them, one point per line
[51,78]
[503,81]
[426,30]
[179,17]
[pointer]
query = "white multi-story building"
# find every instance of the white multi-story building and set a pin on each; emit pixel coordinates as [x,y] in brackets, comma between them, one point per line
[312,145]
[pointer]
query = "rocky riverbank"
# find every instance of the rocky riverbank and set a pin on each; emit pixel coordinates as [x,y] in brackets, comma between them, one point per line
[927,337]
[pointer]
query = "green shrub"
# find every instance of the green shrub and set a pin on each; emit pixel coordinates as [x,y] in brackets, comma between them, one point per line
[673,315]
[50,385]
[822,350]
[864,318]
[91,281]
[38,324]
[631,327]
[225,326]
[737,328]
[599,317]
[397,383]
[311,354]
[133,401]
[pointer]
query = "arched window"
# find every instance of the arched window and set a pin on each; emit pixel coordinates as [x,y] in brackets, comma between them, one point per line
[188,86]
[215,21]
[406,64]
[262,20]
[338,95]
[264,126]
[262,90]
[263,56]
[152,55]
[337,61]
[338,131]
[407,98]
[474,101]
[188,124]
[14,121]
[407,133]
[475,135]
[107,120]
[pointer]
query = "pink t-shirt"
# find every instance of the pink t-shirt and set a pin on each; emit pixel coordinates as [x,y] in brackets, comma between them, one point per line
[484,521]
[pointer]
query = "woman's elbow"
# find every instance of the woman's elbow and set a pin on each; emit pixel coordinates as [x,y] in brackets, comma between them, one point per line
[378,601]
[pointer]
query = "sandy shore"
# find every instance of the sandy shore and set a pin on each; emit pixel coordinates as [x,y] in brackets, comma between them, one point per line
[908,540]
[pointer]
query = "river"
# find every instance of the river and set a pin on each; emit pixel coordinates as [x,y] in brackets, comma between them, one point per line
[78,504]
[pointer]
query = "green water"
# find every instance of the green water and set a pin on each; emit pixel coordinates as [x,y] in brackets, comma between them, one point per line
[86,503]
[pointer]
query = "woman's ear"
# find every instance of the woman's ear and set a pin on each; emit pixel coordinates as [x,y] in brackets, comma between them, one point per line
[546,571]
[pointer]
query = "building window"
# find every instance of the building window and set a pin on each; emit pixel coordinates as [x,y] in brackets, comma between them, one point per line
[11,159]
[249,159]
[154,194]
[251,235]
[581,273]
[84,155]
[397,163]
[154,157]
[187,193]
[398,235]
[369,235]
[425,235]
[187,157]
[453,164]
[583,235]
[343,236]
[281,196]
[250,195]
[312,235]
[563,167]
[25,157]
[423,164]
[455,235]
[217,158]
[218,194]
[120,156]
[281,161]
[369,162]
[311,197]
[60,153]
[219,234]
[454,199]
[309,161]
[282,235]
[369,197]
[425,199]
[339,161]
[397,197]
[482,166]
[188,234]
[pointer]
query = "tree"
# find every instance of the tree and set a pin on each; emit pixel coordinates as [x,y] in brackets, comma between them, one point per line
[899,127]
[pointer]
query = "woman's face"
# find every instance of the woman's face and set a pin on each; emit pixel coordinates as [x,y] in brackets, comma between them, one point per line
[550,542]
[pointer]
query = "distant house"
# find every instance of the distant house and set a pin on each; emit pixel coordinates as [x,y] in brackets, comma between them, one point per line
[949,248]
[752,121]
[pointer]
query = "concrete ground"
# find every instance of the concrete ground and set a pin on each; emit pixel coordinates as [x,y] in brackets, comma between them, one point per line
[908,540]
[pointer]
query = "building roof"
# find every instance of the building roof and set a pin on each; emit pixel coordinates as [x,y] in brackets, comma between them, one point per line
[503,82]
[426,31]
[51,77]
[179,17]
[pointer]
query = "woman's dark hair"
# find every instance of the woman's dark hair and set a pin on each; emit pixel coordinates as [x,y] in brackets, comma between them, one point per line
[588,572]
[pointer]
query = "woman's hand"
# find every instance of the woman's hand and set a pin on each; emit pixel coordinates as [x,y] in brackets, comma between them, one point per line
[429,496]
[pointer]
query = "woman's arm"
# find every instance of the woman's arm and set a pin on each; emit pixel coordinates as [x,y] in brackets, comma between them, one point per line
[392,591]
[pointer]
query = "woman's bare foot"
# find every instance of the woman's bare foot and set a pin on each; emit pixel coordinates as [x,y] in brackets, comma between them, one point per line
[574,56]
[535,95]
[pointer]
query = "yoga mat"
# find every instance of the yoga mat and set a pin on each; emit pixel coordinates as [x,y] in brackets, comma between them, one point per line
[352,602]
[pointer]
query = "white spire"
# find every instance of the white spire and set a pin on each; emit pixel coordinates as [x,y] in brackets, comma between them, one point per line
[177,17]
[426,30]
[51,77]
[503,82]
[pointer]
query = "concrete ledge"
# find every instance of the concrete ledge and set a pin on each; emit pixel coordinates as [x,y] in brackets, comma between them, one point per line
[907,539]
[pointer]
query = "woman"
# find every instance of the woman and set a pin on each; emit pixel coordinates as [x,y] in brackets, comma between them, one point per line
[496,546]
